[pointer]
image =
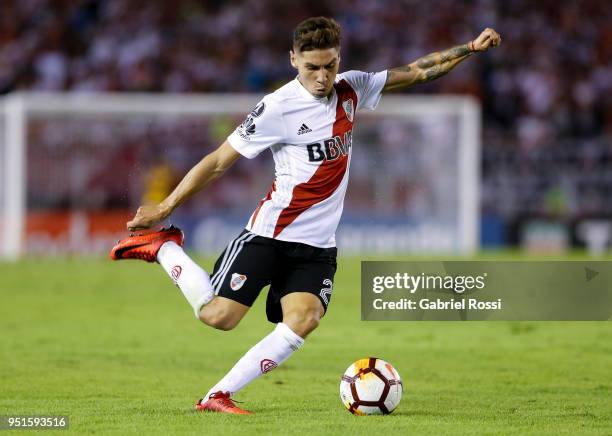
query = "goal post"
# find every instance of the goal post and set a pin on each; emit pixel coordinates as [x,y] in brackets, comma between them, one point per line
[416,163]
[13,172]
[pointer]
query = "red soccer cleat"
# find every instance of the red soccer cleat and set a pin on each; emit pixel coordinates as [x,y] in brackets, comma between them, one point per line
[145,247]
[222,403]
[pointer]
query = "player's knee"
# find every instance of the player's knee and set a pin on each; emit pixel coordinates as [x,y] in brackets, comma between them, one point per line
[303,322]
[219,319]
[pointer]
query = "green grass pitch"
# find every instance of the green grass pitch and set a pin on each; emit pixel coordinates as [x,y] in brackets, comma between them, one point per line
[115,347]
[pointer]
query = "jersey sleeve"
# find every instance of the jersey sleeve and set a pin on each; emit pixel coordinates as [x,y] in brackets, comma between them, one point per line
[262,128]
[368,87]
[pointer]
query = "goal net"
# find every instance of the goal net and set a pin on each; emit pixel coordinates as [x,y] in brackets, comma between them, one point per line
[74,167]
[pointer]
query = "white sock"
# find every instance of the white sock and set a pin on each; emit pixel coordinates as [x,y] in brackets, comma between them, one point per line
[270,352]
[192,280]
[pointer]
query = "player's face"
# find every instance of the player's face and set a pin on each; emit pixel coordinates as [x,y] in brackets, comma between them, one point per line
[317,69]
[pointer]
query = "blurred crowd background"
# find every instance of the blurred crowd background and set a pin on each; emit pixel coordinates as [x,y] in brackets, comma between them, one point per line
[546,92]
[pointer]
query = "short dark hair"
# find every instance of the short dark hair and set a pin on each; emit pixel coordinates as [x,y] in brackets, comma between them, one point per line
[316,33]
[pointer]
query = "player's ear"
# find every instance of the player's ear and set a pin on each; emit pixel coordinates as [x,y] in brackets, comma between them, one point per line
[292,59]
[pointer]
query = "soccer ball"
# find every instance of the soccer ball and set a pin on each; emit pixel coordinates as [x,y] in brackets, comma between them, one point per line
[371,387]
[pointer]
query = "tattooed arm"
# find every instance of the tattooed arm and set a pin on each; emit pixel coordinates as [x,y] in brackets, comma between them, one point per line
[437,64]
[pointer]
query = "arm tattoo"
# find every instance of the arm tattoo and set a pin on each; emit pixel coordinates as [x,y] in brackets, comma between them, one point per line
[435,72]
[448,59]
[440,57]
[427,68]
[428,61]
[440,70]
[454,53]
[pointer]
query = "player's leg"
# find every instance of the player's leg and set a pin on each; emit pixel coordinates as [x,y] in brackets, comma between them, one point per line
[223,313]
[239,277]
[193,281]
[263,357]
[266,355]
[165,247]
[197,286]
[200,289]
[302,312]
[296,313]
[242,270]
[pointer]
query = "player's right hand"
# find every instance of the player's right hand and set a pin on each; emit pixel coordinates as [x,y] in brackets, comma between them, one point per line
[147,216]
[487,38]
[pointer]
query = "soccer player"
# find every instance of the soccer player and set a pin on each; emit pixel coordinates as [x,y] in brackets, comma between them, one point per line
[289,240]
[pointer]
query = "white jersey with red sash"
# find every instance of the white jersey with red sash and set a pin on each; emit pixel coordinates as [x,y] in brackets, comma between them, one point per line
[311,142]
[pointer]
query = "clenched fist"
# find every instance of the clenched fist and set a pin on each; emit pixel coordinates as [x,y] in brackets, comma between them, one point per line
[488,38]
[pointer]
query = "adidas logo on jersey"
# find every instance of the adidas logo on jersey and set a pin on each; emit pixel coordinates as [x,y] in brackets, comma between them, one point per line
[304,129]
